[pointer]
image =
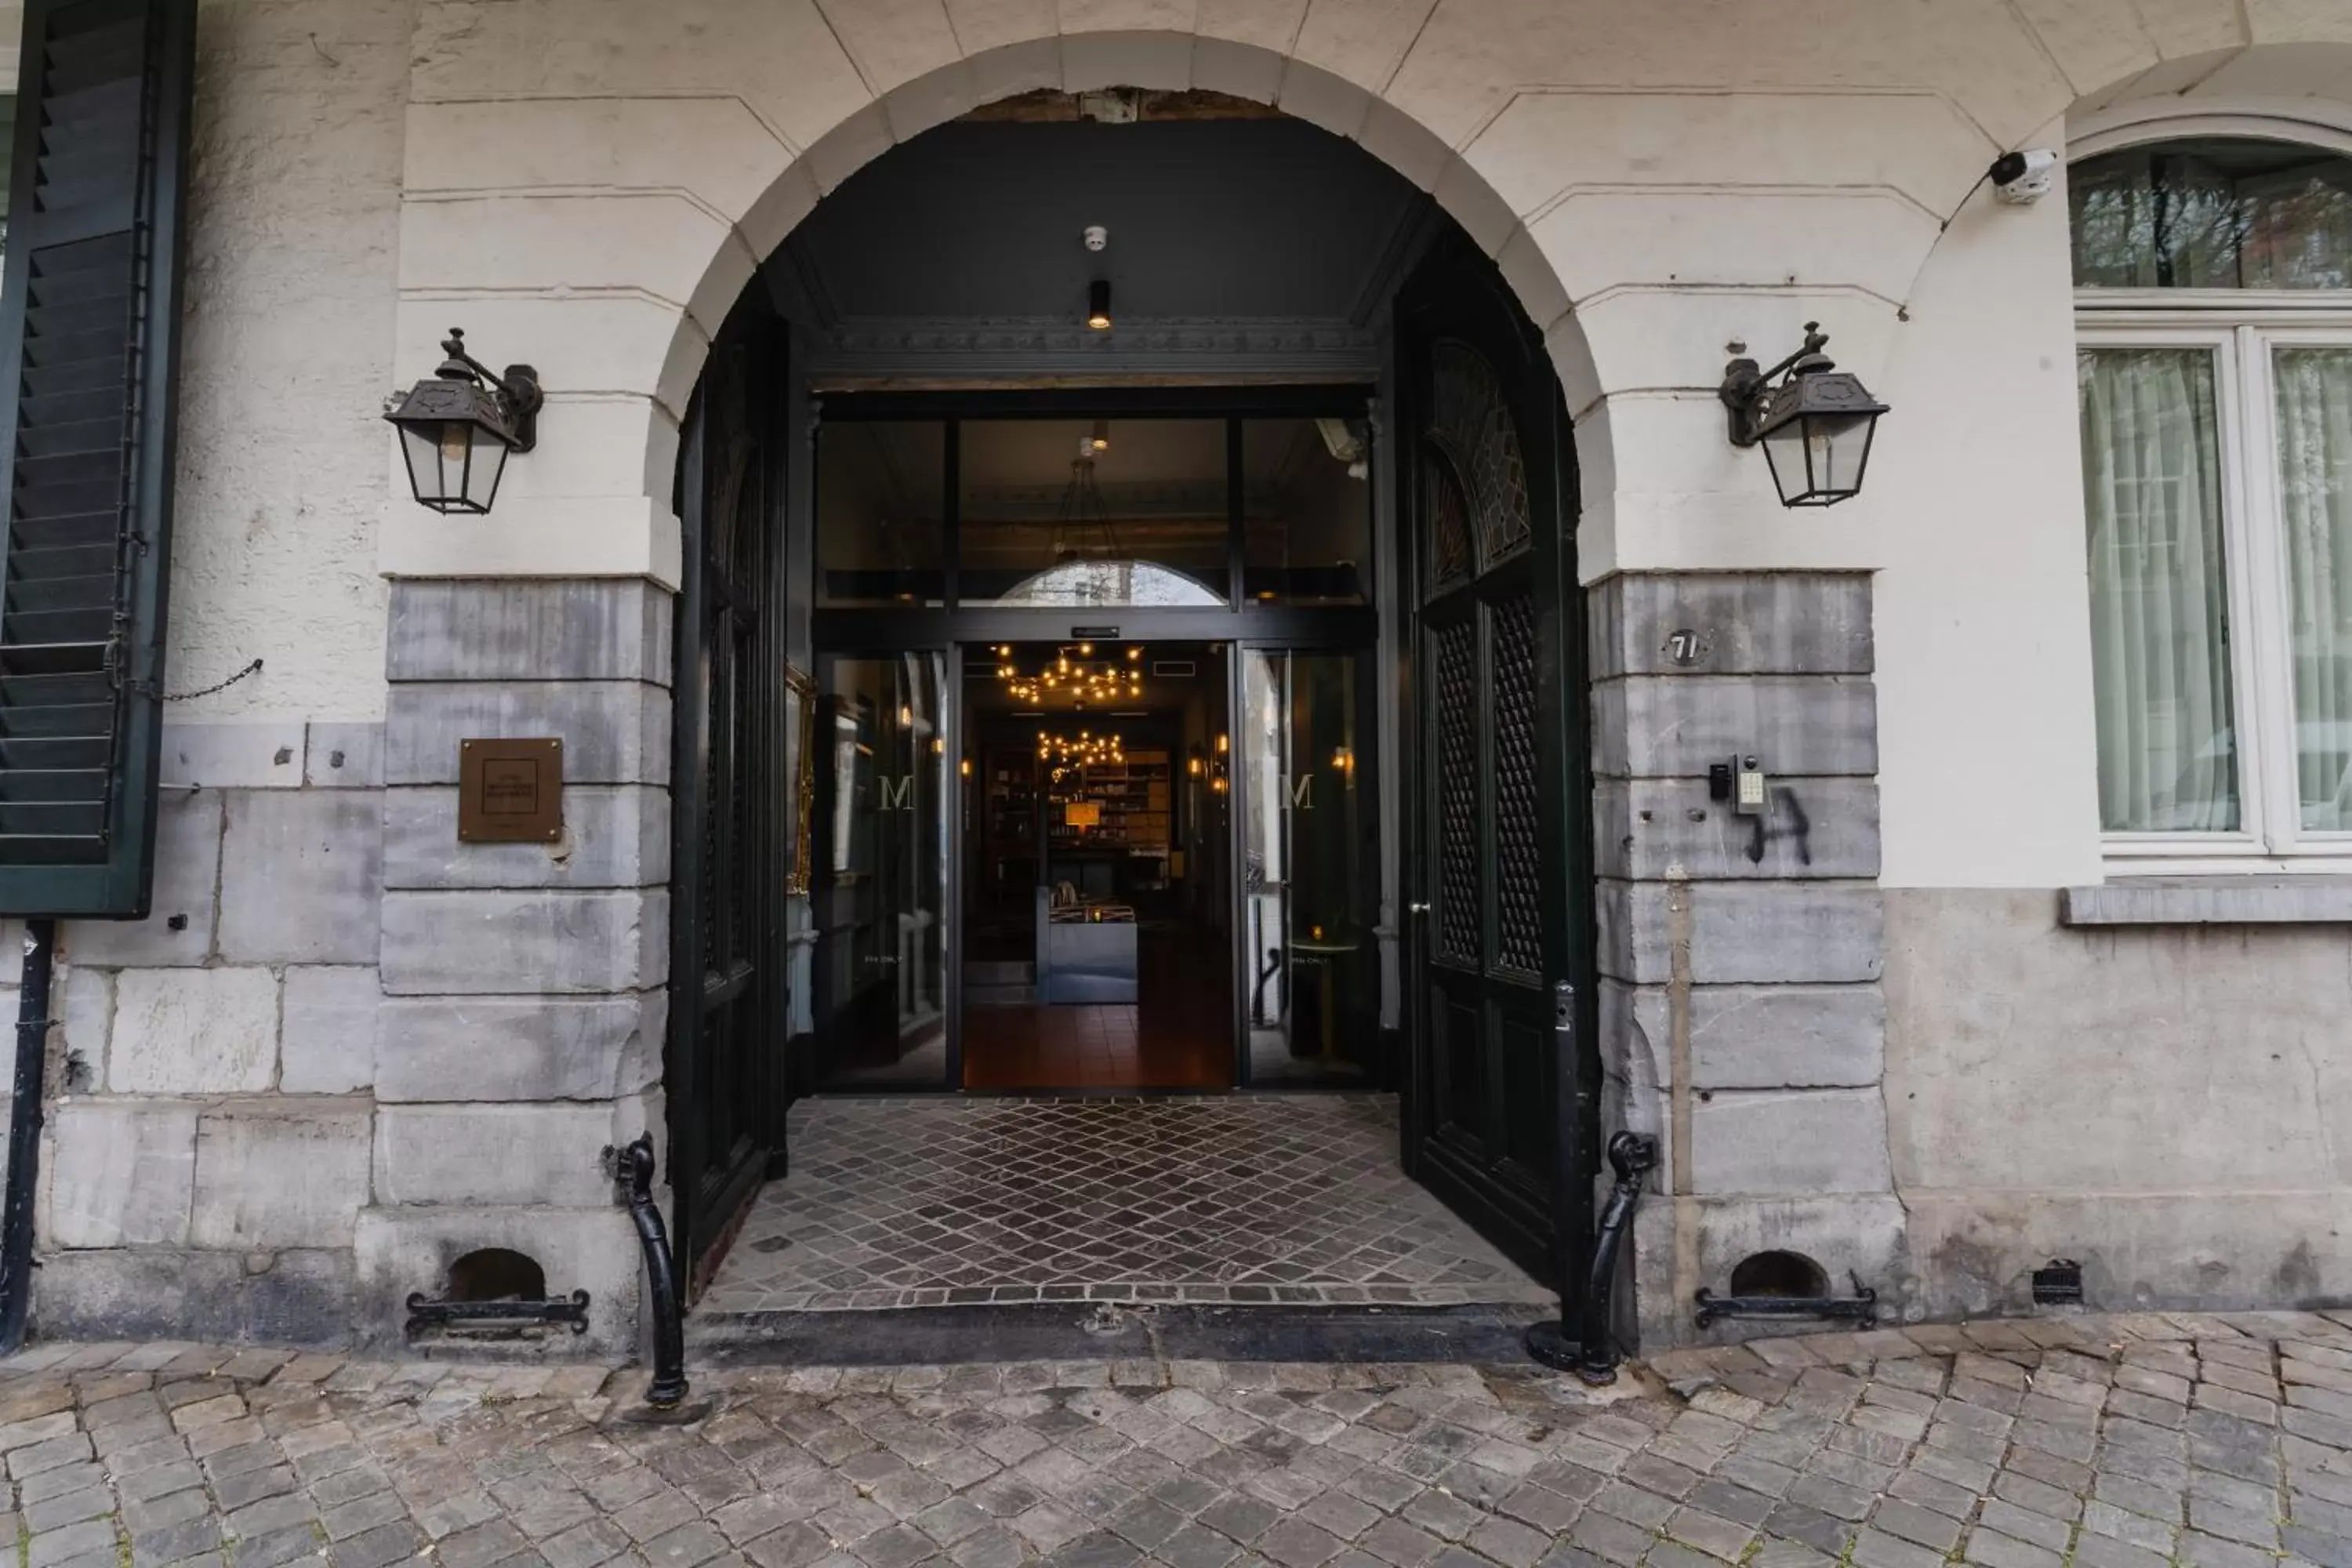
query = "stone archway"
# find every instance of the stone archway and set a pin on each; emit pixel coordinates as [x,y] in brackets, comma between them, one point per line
[655,212]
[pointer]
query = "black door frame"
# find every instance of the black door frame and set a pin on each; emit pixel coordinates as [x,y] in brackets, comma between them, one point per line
[706,1065]
[1458,292]
[1239,623]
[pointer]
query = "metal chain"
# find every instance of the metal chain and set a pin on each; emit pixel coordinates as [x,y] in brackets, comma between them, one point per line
[253,668]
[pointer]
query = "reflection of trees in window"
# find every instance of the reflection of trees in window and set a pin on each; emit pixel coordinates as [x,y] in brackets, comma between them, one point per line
[1111,582]
[2214,215]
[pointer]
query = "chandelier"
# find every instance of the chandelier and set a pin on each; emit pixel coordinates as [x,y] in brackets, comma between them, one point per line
[1075,676]
[1083,750]
[1084,518]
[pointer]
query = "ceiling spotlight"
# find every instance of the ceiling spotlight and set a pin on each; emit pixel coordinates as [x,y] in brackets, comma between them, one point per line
[1098,305]
[1100,440]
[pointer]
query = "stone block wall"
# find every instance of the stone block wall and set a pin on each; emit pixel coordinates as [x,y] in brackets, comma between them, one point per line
[207,1152]
[346,1049]
[2161,1103]
[519,1038]
[1742,1020]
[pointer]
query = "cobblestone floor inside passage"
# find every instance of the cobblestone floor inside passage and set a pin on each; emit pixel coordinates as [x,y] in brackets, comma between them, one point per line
[2127,1442]
[1249,1199]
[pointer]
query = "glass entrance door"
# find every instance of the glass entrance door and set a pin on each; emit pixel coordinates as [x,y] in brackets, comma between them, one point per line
[880,890]
[1097,945]
[1310,880]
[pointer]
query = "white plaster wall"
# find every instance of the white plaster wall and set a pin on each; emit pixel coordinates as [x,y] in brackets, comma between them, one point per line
[294,224]
[1986,762]
[1656,184]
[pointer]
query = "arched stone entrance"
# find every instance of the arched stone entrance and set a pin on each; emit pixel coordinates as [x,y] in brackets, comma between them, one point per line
[1480,932]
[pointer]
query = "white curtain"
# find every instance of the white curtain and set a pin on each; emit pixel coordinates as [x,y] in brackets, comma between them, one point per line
[2160,662]
[2314,455]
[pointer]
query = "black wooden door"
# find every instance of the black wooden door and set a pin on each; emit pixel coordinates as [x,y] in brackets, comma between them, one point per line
[1499,878]
[730,801]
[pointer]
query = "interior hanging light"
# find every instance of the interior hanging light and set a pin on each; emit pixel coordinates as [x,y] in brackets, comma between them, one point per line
[1081,675]
[1098,305]
[1083,517]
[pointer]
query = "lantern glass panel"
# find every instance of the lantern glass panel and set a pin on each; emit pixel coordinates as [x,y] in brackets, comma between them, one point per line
[422,452]
[1784,450]
[1817,460]
[1842,445]
[485,461]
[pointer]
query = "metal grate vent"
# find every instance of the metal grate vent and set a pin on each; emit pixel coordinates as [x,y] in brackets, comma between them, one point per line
[2060,1284]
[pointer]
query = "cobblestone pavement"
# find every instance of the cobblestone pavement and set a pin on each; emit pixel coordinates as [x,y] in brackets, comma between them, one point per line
[2127,1442]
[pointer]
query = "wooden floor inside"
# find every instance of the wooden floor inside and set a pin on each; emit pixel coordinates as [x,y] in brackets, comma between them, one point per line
[1179,1036]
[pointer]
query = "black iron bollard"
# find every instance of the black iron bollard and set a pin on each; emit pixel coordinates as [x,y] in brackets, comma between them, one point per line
[1591,1351]
[669,1388]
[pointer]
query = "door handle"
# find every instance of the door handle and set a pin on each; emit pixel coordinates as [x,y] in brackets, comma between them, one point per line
[1420,906]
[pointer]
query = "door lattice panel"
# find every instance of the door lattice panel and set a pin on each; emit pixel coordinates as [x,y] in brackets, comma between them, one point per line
[1449,520]
[1519,860]
[1472,421]
[1456,695]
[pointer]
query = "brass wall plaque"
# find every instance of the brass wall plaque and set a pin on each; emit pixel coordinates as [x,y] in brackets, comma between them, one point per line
[509,792]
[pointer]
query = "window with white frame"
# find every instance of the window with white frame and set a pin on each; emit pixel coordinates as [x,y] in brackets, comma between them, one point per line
[2213,292]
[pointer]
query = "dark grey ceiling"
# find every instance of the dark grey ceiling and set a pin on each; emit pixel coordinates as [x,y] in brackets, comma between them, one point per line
[1251,220]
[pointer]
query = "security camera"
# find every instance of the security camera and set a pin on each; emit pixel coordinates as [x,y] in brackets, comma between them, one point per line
[2022,178]
[1097,236]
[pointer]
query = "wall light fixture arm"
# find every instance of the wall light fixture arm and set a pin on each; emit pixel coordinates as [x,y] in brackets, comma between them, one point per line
[518,386]
[1745,386]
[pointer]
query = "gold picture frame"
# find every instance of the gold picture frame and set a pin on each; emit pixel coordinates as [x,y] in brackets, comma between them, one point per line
[800,731]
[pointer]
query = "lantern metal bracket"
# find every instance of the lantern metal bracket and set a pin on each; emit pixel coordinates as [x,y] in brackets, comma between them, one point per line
[1745,387]
[518,385]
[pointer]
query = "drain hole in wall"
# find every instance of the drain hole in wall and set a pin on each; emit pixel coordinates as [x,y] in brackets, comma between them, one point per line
[496,1274]
[1784,1274]
[2060,1284]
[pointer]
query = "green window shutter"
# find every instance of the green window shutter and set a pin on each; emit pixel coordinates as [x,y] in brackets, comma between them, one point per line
[89,336]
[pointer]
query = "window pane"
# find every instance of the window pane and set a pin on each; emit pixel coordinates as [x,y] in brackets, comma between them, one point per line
[2314,455]
[1310,828]
[1086,512]
[2160,636]
[881,532]
[2213,214]
[1306,506]
[879,892]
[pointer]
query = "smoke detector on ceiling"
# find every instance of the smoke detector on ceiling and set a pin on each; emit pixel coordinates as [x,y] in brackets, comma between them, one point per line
[1098,237]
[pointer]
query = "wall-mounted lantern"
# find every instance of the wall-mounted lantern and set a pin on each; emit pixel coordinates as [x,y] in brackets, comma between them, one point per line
[1815,424]
[456,428]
